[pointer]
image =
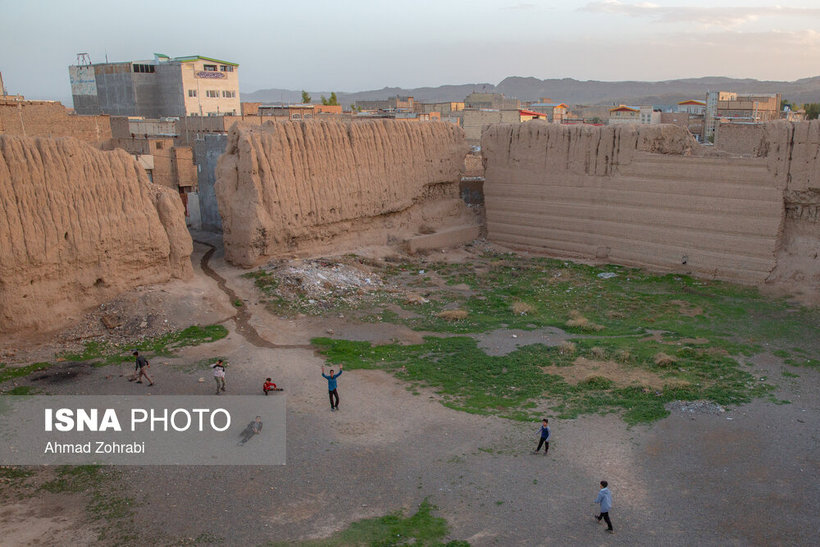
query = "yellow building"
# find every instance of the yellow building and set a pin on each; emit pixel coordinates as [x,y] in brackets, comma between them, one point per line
[210,86]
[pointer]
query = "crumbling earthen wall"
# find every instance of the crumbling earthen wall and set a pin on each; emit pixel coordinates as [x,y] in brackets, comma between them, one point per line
[296,186]
[650,196]
[51,119]
[77,227]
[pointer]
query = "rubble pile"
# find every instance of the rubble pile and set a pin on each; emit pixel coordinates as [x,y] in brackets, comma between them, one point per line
[322,284]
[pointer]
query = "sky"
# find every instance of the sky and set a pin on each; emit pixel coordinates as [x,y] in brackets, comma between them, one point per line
[356,45]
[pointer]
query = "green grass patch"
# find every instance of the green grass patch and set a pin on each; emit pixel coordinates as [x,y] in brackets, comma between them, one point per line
[422,529]
[15,473]
[21,390]
[468,379]
[8,373]
[803,362]
[73,478]
[689,333]
[104,353]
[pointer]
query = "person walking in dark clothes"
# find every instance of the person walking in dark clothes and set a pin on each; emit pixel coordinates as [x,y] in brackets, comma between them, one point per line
[331,386]
[605,499]
[545,437]
[141,365]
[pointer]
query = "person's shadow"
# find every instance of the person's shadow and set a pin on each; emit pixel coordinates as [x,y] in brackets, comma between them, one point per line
[251,430]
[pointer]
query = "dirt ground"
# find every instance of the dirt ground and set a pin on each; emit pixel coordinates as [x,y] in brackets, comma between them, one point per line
[748,476]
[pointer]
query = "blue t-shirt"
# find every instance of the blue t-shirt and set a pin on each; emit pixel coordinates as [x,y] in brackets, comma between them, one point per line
[545,432]
[331,382]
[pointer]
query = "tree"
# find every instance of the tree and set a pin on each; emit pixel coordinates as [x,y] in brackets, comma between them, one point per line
[306,97]
[324,100]
[333,101]
[812,110]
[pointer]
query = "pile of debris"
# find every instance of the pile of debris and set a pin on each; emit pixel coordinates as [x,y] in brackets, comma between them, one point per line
[323,284]
[130,317]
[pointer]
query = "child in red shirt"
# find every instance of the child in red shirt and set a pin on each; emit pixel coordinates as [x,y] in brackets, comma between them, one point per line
[268,386]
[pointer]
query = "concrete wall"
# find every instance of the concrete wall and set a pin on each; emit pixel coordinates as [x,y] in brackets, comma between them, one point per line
[51,119]
[115,89]
[207,150]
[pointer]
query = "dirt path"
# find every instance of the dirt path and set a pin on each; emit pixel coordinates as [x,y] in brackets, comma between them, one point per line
[243,316]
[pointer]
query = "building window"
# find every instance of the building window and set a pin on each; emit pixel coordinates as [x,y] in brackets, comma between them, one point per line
[228,94]
[143,68]
[226,68]
[209,68]
[192,92]
[212,93]
[159,145]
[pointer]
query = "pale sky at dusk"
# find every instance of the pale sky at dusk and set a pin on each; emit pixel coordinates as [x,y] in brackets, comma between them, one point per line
[366,44]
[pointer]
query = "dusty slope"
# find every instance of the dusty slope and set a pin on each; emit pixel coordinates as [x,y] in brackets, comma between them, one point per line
[310,185]
[77,227]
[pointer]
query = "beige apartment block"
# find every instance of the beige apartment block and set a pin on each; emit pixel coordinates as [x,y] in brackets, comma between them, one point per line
[210,86]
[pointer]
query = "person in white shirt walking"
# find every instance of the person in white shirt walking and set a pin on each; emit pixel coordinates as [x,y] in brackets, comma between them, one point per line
[219,375]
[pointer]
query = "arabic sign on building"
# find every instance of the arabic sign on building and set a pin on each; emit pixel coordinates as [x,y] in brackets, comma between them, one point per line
[83,81]
[207,74]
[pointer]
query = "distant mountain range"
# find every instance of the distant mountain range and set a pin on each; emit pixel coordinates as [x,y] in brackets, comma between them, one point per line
[568,90]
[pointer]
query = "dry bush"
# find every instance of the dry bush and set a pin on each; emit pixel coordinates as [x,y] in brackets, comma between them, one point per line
[521,308]
[623,356]
[413,298]
[452,315]
[664,360]
[567,348]
[598,353]
[579,321]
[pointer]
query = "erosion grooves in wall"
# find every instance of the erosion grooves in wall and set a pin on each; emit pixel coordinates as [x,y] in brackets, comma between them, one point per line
[633,195]
[77,227]
[291,186]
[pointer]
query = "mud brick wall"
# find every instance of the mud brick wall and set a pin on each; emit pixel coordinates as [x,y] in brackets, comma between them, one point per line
[650,196]
[291,186]
[78,226]
[51,119]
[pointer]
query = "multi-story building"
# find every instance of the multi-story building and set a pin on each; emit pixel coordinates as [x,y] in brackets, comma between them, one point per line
[731,107]
[692,106]
[624,114]
[556,112]
[161,87]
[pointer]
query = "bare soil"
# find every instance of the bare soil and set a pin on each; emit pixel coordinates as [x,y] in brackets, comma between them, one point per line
[747,476]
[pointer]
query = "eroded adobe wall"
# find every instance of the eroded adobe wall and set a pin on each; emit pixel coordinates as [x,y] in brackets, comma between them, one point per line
[792,151]
[77,227]
[327,185]
[650,196]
